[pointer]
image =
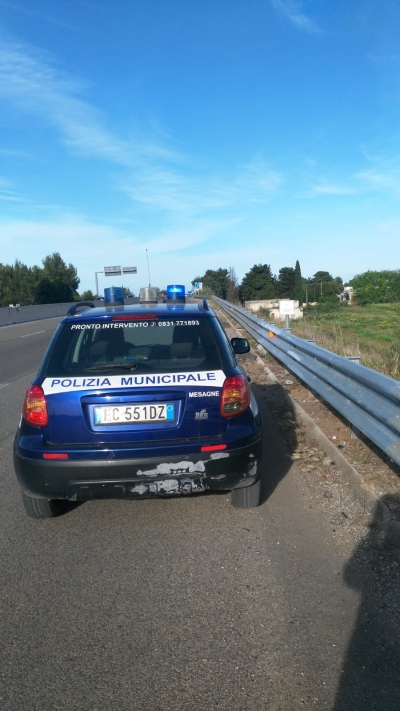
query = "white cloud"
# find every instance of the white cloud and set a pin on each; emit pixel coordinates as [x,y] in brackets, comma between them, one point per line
[378,180]
[171,190]
[327,189]
[16,6]
[72,235]
[158,176]
[293,11]
[9,196]
[7,192]
[198,205]
[31,81]
[383,176]
[91,246]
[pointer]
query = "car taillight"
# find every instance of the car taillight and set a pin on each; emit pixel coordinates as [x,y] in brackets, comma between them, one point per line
[34,410]
[235,396]
[212,447]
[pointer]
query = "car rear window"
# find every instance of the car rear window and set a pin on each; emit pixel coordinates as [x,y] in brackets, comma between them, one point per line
[142,346]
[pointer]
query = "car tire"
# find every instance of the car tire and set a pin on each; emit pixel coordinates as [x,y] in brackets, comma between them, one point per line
[248,497]
[41,508]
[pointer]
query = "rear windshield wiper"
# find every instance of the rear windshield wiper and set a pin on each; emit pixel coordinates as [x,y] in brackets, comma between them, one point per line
[112,366]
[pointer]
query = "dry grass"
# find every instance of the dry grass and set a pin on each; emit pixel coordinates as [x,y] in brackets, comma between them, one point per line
[351,332]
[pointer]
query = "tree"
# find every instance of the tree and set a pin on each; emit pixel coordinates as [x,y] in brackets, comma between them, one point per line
[298,284]
[56,271]
[322,286]
[18,283]
[322,276]
[258,283]
[212,286]
[377,287]
[6,277]
[285,284]
[215,281]
[55,282]
[87,296]
[50,292]
[232,292]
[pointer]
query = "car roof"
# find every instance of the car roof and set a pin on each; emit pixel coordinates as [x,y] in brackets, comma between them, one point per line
[173,311]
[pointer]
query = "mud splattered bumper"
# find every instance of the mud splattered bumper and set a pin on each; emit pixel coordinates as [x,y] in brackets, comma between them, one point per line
[82,481]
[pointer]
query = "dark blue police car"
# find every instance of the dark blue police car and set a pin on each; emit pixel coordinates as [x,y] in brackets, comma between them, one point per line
[138,401]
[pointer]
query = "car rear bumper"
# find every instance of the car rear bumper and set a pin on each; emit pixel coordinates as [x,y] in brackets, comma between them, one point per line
[139,478]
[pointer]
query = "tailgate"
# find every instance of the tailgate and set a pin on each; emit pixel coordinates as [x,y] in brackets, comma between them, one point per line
[133,415]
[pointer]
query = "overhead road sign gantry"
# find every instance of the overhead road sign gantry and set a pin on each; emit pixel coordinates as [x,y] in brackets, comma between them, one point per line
[112,271]
[129,270]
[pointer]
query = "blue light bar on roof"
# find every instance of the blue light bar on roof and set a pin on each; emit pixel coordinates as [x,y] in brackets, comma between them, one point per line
[113,296]
[176,292]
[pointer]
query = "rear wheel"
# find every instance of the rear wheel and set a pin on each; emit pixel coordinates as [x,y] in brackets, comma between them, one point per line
[246,498]
[41,508]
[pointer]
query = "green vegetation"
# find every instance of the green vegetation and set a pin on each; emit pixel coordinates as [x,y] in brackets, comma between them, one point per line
[298,292]
[258,283]
[369,327]
[55,282]
[88,295]
[371,332]
[377,287]
[322,287]
[285,284]
[215,281]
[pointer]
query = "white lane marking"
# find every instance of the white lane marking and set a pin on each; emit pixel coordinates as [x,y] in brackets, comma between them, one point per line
[3,385]
[31,334]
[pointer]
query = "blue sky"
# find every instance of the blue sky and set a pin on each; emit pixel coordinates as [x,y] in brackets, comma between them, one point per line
[213,133]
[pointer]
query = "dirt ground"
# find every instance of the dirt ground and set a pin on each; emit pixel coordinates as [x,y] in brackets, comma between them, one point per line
[379,474]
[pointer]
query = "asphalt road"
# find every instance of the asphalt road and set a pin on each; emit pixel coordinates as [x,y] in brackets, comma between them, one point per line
[22,347]
[180,604]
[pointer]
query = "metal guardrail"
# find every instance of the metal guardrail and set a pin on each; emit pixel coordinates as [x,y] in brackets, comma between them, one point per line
[368,399]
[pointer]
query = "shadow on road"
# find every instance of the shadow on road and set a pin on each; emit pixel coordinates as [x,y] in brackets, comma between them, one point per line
[280,435]
[370,678]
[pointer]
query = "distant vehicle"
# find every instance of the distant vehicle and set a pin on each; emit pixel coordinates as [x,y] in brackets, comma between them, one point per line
[138,401]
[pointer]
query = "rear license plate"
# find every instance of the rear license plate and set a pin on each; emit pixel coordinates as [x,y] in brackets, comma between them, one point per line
[128,414]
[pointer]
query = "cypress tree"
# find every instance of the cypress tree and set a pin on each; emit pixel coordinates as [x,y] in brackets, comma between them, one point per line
[298,284]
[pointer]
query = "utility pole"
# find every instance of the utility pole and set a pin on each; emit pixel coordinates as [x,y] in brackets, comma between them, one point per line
[97,283]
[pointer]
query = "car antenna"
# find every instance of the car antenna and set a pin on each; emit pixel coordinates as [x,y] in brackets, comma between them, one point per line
[148,268]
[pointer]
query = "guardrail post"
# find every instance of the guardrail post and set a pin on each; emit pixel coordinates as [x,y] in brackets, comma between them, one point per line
[355,359]
[353,431]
